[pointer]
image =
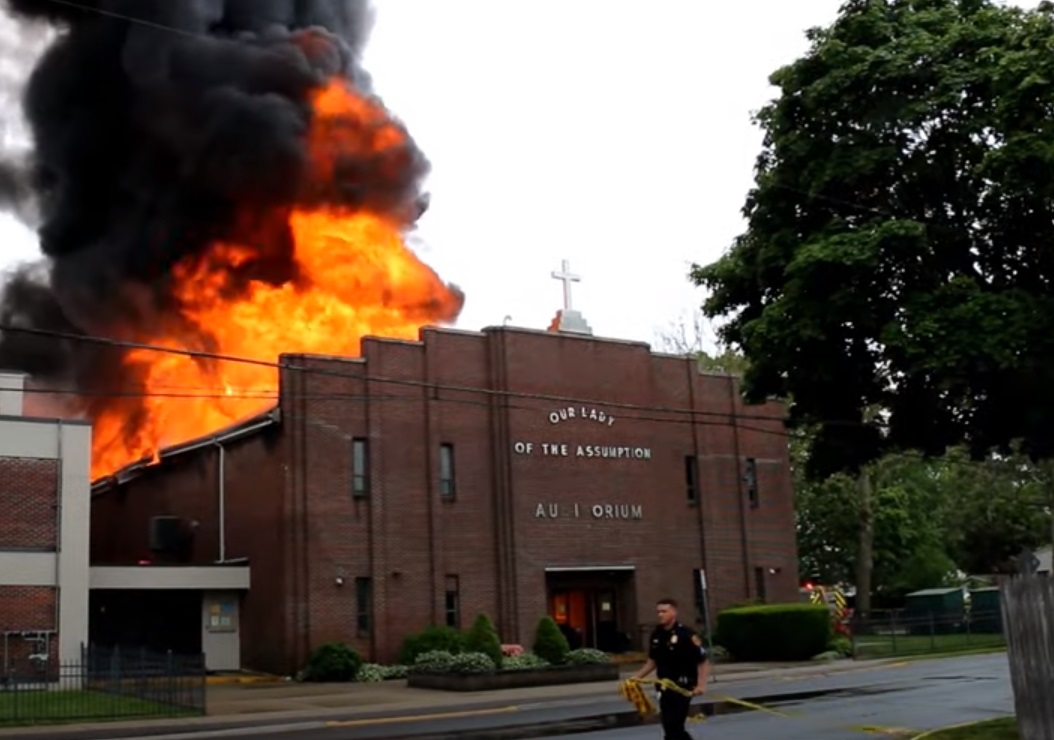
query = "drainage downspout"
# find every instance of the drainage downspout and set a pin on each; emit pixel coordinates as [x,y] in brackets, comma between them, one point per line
[59,516]
[221,490]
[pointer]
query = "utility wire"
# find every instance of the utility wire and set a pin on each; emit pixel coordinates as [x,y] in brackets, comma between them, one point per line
[421,384]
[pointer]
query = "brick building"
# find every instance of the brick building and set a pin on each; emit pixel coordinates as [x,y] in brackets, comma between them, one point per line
[44,485]
[513,472]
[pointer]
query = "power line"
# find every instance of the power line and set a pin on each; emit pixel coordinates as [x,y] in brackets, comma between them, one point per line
[123,17]
[421,384]
[371,398]
[636,412]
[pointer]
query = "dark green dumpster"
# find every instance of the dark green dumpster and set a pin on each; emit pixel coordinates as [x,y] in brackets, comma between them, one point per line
[986,611]
[937,611]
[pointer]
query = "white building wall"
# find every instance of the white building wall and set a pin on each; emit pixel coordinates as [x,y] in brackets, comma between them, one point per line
[67,568]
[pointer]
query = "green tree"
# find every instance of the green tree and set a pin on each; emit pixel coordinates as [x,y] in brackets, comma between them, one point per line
[908,541]
[549,642]
[689,337]
[1000,508]
[896,253]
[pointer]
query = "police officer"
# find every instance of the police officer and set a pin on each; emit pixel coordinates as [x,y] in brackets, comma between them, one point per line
[678,655]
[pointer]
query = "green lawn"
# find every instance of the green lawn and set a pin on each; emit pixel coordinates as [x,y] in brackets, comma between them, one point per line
[996,729]
[53,707]
[882,646]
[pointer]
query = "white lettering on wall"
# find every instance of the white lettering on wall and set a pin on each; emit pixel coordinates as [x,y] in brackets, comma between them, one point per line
[597,451]
[606,452]
[596,511]
[581,412]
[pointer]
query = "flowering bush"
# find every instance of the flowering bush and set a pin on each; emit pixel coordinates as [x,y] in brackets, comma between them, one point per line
[433,661]
[375,673]
[469,663]
[524,662]
[512,651]
[587,656]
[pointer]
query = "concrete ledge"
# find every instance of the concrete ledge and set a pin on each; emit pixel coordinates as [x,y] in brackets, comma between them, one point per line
[232,679]
[514,679]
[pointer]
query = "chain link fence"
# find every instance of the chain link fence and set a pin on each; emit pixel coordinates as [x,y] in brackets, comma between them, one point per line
[901,633]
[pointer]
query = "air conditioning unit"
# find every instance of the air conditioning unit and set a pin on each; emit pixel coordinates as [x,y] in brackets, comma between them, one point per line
[166,533]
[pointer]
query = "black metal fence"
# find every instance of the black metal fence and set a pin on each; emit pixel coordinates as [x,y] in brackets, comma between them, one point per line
[901,633]
[106,684]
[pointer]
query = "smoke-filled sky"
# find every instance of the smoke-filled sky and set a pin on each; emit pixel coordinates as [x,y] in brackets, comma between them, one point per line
[611,133]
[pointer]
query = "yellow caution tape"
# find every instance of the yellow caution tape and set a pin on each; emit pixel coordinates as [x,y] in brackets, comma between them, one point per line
[633,691]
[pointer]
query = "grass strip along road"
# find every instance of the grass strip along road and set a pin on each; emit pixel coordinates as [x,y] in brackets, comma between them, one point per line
[1004,728]
[57,707]
[887,646]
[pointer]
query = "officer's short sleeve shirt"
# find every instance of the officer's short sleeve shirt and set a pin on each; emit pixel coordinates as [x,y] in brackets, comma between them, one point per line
[677,654]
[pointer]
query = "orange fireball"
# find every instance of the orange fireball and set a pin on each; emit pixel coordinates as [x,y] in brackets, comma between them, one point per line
[355,277]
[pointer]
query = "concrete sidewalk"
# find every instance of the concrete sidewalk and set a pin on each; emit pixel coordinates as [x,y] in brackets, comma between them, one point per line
[395,696]
[288,703]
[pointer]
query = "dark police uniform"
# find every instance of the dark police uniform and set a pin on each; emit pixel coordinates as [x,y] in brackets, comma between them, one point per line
[677,653]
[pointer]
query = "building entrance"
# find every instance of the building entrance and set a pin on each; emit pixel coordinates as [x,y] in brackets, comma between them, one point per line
[594,608]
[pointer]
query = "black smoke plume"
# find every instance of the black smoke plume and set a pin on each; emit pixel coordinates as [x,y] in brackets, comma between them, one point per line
[159,127]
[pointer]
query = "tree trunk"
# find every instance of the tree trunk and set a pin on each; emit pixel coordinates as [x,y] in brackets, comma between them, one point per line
[1048,483]
[865,559]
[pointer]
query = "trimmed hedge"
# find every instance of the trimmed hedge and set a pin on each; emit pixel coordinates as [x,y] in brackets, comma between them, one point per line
[775,631]
[430,639]
[332,662]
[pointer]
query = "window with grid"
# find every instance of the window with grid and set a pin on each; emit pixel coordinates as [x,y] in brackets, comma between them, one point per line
[446,470]
[750,477]
[360,468]
[691,477]
[452,602]
[364,605]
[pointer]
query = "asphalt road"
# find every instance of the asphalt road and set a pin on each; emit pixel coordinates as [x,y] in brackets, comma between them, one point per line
[916,695]
[922,697]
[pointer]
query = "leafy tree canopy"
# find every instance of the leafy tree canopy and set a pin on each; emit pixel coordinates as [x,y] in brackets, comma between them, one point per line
[897,254]
[932,517]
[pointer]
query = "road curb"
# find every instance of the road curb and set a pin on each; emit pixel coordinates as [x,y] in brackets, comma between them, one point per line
[380,727]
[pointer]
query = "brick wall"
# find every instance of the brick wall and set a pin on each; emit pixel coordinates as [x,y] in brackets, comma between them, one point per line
[291,507]
[29,608]
[187,487]
[409,540]
[29,489]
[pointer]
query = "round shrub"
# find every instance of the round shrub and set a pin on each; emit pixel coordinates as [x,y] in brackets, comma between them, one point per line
[442,638]
[472,663]
[587,656]
[841,645]
[549,642]
[775,632]
[483,638]
[332,662]
[434,661]
[523,662]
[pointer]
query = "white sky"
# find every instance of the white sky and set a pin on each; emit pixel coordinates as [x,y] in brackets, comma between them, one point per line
[614,134]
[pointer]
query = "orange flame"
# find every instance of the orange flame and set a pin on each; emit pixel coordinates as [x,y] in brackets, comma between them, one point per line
[356,277]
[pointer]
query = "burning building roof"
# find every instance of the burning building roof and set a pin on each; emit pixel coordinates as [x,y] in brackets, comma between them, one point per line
[217,177]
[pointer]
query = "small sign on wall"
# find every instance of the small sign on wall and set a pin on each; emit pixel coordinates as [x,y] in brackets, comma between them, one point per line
[222,616]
